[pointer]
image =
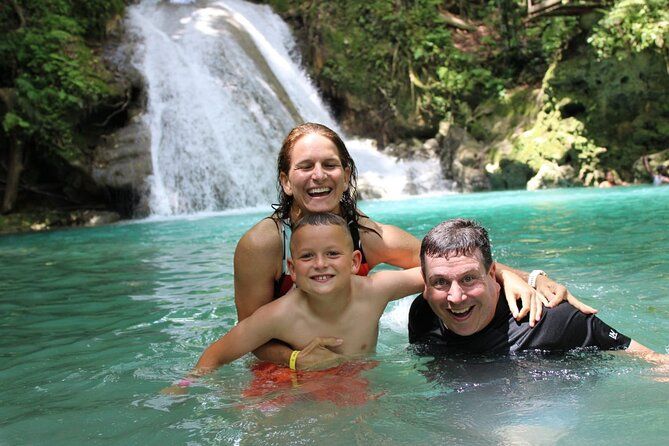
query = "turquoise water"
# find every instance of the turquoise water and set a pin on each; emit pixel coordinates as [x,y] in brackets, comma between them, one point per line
[94,322]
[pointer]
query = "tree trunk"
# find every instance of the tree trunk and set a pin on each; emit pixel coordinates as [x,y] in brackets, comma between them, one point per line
[14,169]
[15,158]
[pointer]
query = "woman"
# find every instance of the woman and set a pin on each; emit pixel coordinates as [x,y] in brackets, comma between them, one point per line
[316,174]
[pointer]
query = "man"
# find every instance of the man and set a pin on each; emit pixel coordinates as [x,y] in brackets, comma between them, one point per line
[461,309]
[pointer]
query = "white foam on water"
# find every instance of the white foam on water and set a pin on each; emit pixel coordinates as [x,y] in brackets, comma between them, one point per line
[396,316]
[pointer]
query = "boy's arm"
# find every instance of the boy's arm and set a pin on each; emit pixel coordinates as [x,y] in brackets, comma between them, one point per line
[244,337]
[392,285]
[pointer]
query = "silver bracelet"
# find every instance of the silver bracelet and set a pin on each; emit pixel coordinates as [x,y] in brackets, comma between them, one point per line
[532,278]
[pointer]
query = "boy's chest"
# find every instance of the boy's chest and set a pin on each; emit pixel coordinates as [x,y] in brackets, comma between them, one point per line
[359,332]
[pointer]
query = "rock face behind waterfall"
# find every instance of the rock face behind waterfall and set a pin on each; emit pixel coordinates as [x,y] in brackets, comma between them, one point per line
[121,160]
[121,164]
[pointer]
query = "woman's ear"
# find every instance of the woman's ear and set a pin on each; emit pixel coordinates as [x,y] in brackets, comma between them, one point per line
[285,184]
[347,177]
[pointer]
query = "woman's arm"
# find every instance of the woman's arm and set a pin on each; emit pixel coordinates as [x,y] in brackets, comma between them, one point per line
[257,263]
[548,293]
[389,244]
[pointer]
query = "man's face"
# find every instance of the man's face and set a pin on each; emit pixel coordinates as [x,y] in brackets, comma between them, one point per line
[460,292]
[322,259]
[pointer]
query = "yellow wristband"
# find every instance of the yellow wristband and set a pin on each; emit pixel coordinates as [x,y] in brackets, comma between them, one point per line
[293,359]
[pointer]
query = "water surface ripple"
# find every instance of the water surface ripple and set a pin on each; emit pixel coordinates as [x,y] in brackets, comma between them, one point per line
[94,322]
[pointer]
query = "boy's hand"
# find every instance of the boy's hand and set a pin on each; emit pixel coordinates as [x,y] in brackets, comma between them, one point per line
[317,355]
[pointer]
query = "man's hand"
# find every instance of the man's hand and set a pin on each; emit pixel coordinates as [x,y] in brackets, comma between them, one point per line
[318,356]
[556,293]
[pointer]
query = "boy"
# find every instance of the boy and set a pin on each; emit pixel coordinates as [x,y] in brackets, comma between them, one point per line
[329,300]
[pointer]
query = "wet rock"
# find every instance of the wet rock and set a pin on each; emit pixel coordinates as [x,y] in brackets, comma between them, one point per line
[552,175]
[123,159]
[122,163]
[462,158]
[368,192]
[48,219]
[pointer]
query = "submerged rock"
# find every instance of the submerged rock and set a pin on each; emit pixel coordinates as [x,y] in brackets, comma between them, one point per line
[462,158]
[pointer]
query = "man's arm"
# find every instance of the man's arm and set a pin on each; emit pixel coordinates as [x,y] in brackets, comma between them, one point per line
[564,328]
[644,352]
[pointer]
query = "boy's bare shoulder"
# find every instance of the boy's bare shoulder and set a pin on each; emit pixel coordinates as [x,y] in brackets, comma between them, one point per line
[285,306]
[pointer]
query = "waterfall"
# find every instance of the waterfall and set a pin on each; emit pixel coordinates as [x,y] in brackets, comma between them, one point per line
[224,88]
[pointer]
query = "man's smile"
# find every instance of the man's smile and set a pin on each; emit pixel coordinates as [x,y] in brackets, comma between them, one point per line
[460,314]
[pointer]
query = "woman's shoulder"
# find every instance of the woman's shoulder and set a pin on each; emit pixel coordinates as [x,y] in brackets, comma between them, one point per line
[388,244]
[266,235]
[368,226]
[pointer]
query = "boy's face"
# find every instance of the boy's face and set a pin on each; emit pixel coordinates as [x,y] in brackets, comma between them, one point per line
[322,259]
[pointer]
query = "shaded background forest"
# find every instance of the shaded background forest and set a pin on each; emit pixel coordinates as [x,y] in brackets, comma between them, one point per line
[504,101]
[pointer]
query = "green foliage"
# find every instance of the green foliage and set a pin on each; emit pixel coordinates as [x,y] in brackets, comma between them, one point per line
[633,26]
[396,56]
[549,37]
[56,75]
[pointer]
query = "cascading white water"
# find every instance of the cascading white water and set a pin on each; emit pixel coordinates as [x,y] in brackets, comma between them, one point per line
[224,88]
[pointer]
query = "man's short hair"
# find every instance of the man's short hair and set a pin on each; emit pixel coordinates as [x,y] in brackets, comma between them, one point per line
[456,237]
[323,219]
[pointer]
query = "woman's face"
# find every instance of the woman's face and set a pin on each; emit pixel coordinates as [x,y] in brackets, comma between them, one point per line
[316,178]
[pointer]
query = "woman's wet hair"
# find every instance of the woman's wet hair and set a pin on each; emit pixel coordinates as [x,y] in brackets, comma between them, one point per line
[348,203]
[323,219]
[456,237]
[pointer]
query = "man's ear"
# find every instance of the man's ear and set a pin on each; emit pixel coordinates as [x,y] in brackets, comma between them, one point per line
[492,271]
[356,259]
[285,184]
[422,273]
[291,269]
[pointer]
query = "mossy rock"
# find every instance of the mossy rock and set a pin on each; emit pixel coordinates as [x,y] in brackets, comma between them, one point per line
[511,174]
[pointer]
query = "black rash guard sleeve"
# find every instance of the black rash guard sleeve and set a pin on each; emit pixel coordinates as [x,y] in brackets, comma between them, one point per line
[564,328]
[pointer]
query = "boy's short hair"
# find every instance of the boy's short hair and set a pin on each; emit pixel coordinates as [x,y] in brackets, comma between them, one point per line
[322,219]
[456,237]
